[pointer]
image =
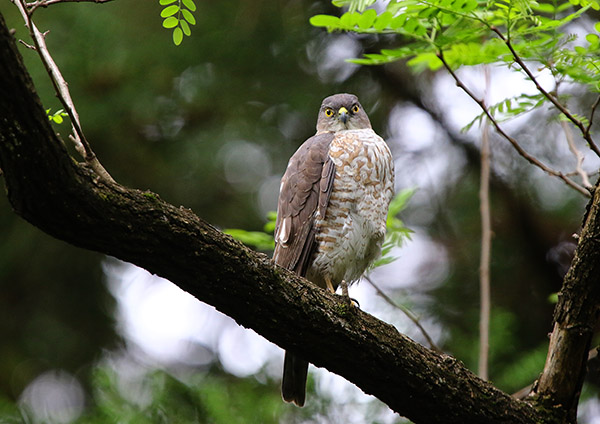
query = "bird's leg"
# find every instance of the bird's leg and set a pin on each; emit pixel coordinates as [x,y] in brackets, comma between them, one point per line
[329,285]
[346,296]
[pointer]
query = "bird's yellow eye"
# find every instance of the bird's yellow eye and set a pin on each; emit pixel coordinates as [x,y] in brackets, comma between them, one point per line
[329,112]
[355,109]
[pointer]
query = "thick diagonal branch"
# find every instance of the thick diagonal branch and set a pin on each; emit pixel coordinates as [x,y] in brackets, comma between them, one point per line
[575,318]
[47,188]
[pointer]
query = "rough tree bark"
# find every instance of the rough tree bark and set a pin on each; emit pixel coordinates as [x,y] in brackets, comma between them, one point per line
[575,318]
[66,200]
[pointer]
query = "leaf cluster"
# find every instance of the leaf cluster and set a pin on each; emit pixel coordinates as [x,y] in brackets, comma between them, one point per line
[510,108]
[56,117]
[178,15]
[466,32]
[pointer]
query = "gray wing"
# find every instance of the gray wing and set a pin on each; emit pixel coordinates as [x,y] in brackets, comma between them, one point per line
[305,188]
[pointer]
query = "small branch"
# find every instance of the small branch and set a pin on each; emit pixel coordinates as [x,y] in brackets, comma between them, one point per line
[512,141]
[62,90]
[578,156]
[32,6]
[486,247]
[589,127]
[29,46]
[584,131]
[406,311]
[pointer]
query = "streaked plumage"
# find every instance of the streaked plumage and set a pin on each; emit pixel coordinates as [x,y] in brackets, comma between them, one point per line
[332,208]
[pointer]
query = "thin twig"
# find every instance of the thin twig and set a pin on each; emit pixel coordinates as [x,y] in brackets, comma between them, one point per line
[590,174]
[32,6]
[406,311]
[589,127]
[578,156]
[486,246]
[512,141]
[62,90]
[553,99]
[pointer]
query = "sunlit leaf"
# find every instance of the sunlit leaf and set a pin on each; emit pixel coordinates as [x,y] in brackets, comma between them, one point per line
[177,36]
[190,5]
[325,21]
[367,19]
[169,11]
[170,22]
[255,239]
[187,15]
[185,27]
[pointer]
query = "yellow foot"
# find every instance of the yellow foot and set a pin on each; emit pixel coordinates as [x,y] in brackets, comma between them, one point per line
[349,301]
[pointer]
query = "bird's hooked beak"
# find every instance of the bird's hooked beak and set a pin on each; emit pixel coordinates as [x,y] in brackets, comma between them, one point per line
[343,115]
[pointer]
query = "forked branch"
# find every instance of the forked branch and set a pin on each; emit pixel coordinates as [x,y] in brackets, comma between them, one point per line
[62,91]
[531,159]
[585,131]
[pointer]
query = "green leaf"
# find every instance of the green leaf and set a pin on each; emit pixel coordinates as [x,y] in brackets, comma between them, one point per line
[591,38]
[169,11]
[349,20]
[544,8]
[271,220]
[57,119]
[597,26]
[325,21]
[170,22]
[177,36]
[165,2]
[383,21]
[399,202]
[367,19]
[256,239]
[190,5]
[187,15]
[185,27]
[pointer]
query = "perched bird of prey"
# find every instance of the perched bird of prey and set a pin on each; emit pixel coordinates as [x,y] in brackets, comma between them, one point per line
[332,209]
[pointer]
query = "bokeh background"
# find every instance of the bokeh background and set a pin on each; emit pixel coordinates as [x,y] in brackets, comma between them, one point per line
[210,125]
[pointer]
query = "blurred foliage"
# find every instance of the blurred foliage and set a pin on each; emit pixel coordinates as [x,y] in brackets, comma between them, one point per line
[155,396]
[465,31]
[211,124]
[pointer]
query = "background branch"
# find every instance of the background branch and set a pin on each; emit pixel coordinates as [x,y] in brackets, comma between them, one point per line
[531,159]
[578,156]
[32,6]
[62,91]
[584,131]
[406,312]
[486,246]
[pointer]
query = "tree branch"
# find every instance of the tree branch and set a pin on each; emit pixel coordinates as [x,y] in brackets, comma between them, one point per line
[32,6]
[406,312]
[584,131]
[486,247]
[575,317]
[578,156]
[47,188]
[531,159]
[62,91]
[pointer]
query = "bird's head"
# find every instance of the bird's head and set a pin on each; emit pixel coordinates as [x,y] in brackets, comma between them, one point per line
[342,112]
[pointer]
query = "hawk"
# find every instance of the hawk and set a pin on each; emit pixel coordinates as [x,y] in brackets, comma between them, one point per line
[332,209]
